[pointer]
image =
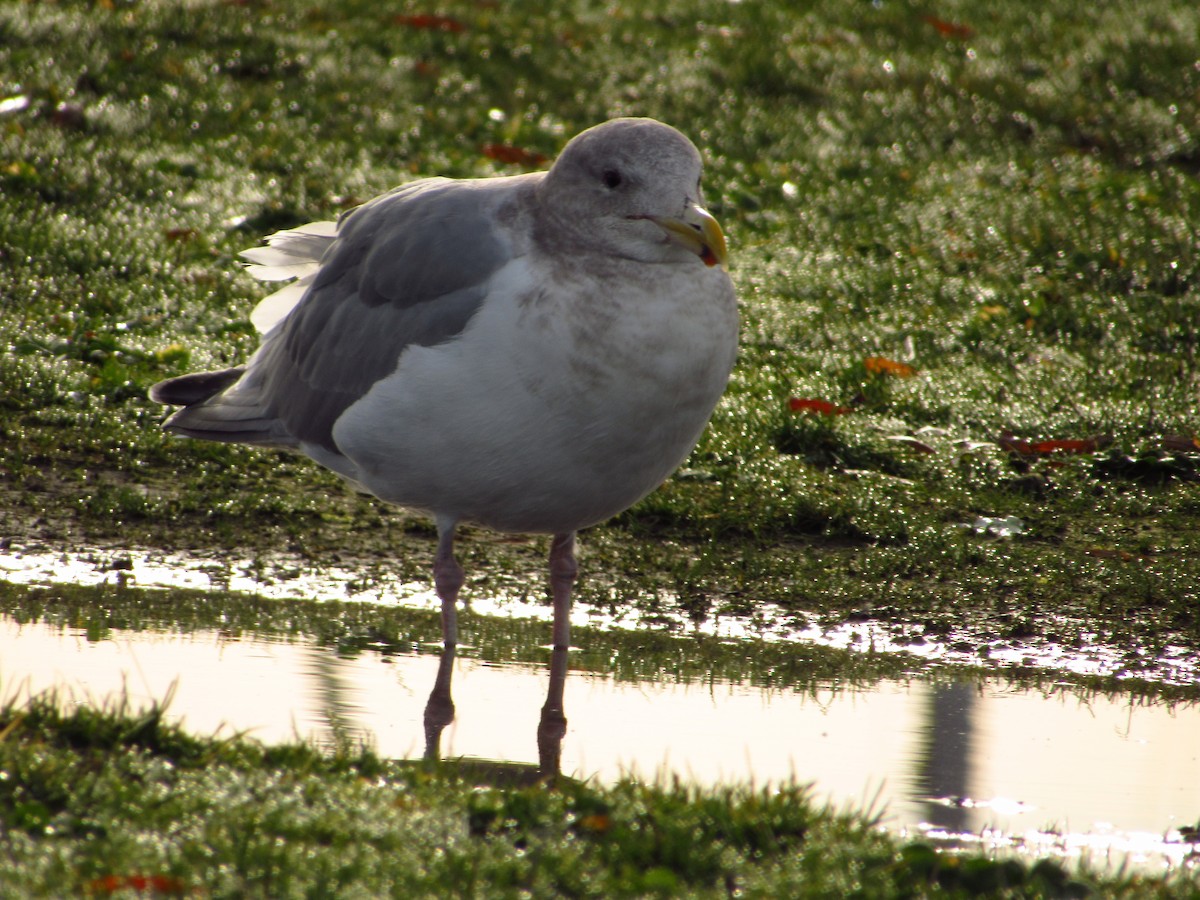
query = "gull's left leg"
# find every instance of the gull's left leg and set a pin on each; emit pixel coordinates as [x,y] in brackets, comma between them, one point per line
[553,723]
[447,580]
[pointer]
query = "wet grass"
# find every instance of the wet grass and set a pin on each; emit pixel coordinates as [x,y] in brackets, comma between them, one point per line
[112,803]
[1002,203]
[999,202]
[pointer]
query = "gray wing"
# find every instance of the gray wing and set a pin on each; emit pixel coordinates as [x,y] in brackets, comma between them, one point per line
[410,267]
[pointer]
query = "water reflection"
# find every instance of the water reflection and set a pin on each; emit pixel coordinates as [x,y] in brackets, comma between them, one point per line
[980,761]
[944,762]
[284,576]
[552,725]
[439,709]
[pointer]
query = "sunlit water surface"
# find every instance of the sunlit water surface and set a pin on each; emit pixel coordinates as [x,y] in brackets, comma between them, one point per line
[964,763]
[284,577]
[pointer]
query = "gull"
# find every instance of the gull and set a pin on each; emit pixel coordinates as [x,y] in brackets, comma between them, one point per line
[532,353]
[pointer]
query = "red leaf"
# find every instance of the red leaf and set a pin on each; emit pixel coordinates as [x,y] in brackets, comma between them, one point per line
[949,29]
[883,366]
[822,407]
[506,153]
[158,884]
[1086,445]
[431,22]
[1045,448]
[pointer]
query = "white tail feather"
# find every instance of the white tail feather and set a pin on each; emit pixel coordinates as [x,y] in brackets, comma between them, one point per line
[289,254]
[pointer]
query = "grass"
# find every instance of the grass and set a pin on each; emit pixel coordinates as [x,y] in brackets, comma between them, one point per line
[102,803]
[998,202]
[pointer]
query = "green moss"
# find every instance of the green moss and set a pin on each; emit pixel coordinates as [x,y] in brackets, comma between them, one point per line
[96,802]
[1003,199]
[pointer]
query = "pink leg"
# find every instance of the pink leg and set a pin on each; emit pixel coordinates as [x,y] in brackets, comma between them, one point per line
[552,726]
[447,580]
[563,570]
[439,709]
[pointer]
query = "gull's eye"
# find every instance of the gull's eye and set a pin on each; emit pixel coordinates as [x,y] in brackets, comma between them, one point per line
[612,178]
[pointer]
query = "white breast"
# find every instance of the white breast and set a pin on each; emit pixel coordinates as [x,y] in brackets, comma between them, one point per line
[559,406]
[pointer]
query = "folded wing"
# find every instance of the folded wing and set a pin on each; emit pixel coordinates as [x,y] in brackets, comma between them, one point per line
[409,268]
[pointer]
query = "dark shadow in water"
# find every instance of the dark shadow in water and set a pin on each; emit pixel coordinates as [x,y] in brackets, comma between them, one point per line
[552,726]
[439,710]
[944,772]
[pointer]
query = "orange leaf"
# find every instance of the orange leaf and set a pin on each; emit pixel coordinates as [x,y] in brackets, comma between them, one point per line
[432,22]
[597,822]
[881,365]
[949,29]
[506,153]
[822,407]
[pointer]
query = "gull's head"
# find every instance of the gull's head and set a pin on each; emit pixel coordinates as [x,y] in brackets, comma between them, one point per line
[631,188]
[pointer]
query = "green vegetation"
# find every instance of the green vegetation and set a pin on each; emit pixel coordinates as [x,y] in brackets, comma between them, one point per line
[1004,201]
[965,240]
[102,803]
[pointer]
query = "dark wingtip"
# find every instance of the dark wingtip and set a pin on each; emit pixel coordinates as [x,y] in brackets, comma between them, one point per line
[189,389]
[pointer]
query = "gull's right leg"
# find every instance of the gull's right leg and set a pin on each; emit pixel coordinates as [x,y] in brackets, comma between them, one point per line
[447,580]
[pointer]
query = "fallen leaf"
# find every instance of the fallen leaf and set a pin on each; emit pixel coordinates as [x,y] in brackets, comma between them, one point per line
[431,22]
[1151,467]
[1084,445]
[969,446]
[1015,444]
[883,366]
[822,407]
[911,441]
[949,29]
[158,884]
[506,153]
[1044,448]
[1105,553]
[597,822]
[1181,443]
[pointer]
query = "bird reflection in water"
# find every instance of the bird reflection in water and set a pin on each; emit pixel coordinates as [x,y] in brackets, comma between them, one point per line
[552,725]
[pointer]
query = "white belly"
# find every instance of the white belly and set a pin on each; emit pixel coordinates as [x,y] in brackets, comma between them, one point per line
[540,418]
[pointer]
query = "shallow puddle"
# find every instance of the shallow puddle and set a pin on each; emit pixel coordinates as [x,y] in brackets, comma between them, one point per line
[284,577]
[966,763]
